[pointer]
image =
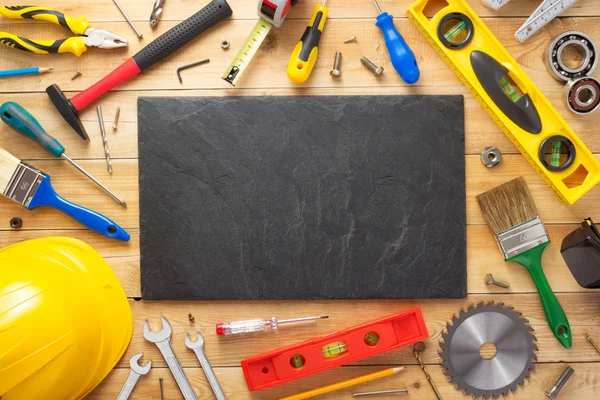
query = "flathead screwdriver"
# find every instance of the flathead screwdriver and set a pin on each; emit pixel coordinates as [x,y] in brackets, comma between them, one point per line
[24,123]
[402,57]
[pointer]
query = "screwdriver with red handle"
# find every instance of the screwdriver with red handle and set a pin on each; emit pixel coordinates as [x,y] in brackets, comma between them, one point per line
[158,49]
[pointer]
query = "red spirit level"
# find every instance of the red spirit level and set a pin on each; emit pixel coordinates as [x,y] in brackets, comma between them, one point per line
[340,348]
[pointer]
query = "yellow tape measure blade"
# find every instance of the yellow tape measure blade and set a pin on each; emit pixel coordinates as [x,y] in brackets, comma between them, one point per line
[241,60]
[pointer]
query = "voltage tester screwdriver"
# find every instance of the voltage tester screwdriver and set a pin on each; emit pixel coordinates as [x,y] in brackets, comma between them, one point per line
[403,59]
[24,123]
[255,325]
[305,53]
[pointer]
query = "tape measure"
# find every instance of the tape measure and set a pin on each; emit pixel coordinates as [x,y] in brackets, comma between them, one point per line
[271,13]
[510,97]
[545,13]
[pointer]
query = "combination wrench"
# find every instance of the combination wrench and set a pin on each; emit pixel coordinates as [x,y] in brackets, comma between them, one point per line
[134,374]
[162,339]
[198,347]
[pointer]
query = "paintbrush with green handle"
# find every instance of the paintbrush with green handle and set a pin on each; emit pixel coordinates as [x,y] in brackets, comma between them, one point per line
[511,214]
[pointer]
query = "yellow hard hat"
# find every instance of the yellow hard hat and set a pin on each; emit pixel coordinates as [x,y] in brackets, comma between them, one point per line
[64,319]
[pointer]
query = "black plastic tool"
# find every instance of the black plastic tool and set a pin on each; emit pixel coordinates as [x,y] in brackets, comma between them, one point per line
[581,251]
[161,47]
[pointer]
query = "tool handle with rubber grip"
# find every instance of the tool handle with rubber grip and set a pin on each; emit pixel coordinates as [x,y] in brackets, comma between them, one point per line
[557,319]
[304,56]
[24,123]
[164,45]
[45,196]
[184,32]
[74,45]
[402,57]
[76,25]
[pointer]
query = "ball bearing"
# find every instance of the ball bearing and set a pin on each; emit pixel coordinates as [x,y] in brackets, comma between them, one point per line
[583,44]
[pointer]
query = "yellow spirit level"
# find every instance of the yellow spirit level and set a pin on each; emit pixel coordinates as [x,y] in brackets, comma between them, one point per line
[510,97]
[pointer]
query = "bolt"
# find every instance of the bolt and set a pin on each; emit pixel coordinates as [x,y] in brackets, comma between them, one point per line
[16,222]
[335,72]
[374,68]
[352,39]
[589,339]
[116,121]
[191,317]
[490,280]
[553,393]
[76,74]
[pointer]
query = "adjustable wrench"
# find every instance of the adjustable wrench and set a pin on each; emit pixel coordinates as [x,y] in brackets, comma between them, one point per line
[162,339]
[198,347]
[134,375]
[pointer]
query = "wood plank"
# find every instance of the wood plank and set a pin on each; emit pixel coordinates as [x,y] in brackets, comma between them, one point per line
[72,185]
[483,257]
[480,130]
[583,385]
[268,67]
[244,9]
[582,310]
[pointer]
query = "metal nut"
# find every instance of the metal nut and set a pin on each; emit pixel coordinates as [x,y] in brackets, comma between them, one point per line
[16,222]
[491,156]
[225,44]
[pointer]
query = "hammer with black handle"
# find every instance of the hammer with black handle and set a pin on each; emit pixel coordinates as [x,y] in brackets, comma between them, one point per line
[161,47]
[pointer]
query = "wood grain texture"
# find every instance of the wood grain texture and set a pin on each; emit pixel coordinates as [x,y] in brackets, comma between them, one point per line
[266,77]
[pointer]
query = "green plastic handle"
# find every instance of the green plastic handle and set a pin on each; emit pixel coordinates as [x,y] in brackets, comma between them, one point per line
[557,319]
[21,121]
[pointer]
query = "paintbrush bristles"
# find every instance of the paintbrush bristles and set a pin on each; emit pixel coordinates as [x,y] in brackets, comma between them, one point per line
[8,165]
[507,205]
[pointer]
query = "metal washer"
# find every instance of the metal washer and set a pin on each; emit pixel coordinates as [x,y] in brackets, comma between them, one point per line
[555,63]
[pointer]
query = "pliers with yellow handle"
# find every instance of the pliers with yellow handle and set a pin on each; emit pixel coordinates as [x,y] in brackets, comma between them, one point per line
[88,36]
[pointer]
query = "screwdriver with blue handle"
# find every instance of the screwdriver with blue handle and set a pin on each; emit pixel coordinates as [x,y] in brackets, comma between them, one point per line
[304,56]
[403,59]
[24,123]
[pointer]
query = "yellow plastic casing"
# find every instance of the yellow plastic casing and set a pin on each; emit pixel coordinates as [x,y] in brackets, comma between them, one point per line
[299,70]
[65,320]
[569,184]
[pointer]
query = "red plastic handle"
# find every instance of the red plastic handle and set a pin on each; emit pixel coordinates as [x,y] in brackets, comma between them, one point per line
[124,72]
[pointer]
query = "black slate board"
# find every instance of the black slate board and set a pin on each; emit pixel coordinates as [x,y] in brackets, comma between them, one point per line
[311,197]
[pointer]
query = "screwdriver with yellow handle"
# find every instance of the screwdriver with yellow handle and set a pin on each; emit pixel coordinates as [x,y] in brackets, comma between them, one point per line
[305,53]
[87,36]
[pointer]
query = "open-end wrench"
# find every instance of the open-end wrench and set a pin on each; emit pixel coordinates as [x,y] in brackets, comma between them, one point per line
[198,347]
[162,339]
[134,375]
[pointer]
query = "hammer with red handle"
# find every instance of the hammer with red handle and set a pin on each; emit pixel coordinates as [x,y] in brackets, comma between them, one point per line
[161,47]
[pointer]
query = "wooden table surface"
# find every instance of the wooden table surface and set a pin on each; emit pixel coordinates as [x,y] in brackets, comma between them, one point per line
[266,76]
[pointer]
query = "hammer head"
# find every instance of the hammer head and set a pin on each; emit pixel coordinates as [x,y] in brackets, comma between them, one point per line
[66,109]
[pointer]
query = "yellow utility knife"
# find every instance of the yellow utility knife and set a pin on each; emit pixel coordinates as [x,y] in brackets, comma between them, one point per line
[87,36]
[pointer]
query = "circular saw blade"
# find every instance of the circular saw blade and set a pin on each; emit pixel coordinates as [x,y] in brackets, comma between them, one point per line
[488,323]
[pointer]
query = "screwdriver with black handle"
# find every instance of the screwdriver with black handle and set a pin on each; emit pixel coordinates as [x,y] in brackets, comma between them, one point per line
[304,56]
[24,123]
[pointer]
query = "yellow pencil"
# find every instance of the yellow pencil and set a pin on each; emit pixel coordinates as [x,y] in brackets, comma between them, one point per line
[342,385]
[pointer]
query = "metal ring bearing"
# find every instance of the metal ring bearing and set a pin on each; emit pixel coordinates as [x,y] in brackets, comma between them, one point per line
[582,95]
[555,63]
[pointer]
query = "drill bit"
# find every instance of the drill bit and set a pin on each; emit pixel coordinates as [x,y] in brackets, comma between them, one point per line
[104,140]
[156,12]
[418,348]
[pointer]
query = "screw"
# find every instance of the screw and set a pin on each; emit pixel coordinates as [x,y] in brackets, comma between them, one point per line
[224,44]
[589,339]
[352,39]
[76,74]
[335,72]
[116,121]
[553,393]
[374,68]
[490,280]
[16,222]
[191,317]
[162,392]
